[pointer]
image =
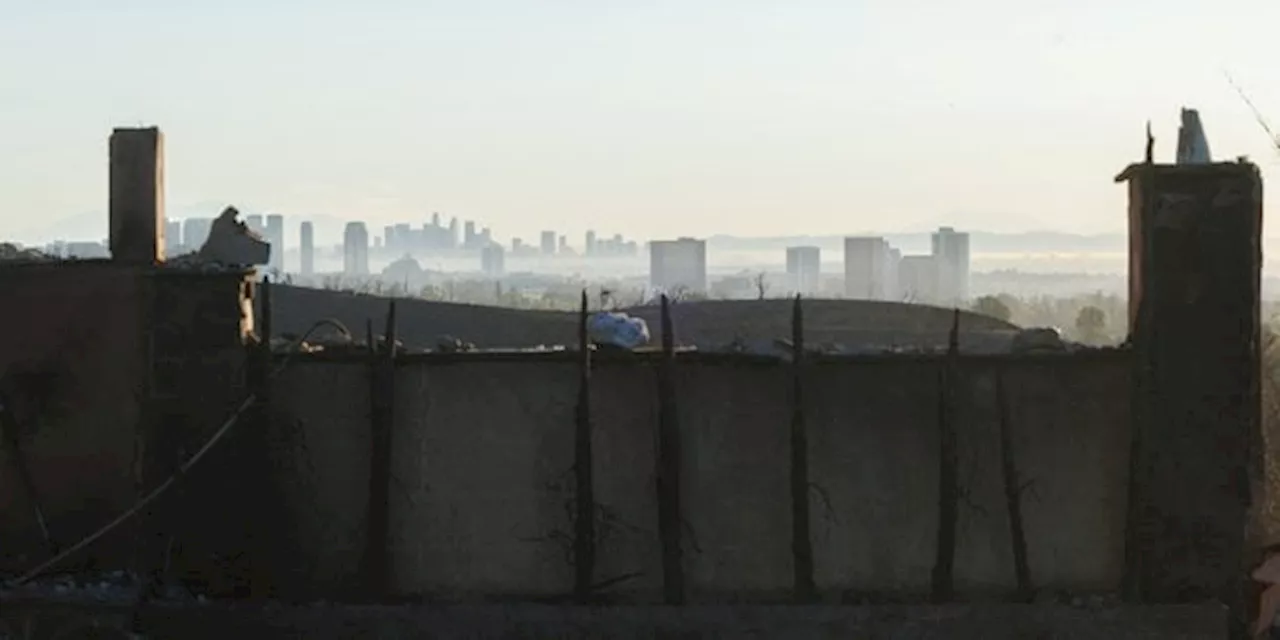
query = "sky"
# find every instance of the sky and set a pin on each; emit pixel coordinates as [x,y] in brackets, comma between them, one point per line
[653,119]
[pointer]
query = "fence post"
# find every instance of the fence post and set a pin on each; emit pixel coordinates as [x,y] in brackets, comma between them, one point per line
[801,545]
[948,474]
[262,414]
[584,541]
[382,407]
[1013,487]
[668,475]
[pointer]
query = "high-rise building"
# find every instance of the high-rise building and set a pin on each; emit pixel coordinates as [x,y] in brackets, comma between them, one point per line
[172,237]
[492,260]
[355,249]
[951,253]
[254,222]
[804,269]
[589,247]
[676,265]
[892,269]
[548,243]
[866,266]
[453,233]
[469,235]
[918,280]
[404,238]
[275,236]
[307,248]
[195,231]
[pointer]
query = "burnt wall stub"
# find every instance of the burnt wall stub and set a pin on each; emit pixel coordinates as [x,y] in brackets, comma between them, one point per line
[1196,257]
[195,335]
[70,367]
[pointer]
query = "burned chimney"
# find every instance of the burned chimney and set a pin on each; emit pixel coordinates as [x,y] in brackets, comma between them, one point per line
[137,195]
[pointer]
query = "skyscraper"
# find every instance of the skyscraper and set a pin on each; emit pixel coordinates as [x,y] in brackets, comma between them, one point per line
[678,265]
[404,239]
[469,235]
[804,267]
[548,243]
[892,269]
[866,261]
[951,254]
[275,235]
[172,237]
[307,249]
[254,222]
[194,232]
[492,260]
[589,246]
[918,280]
[355,249]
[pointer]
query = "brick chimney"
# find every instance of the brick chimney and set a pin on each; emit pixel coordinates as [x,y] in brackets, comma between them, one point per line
[137,195]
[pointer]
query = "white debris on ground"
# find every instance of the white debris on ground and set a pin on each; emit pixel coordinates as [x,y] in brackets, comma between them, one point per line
[618,329]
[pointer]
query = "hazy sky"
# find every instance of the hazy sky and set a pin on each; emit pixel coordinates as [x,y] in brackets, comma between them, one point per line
[650,118]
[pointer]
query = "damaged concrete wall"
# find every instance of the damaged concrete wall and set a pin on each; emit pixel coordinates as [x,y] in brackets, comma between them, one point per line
[482,456]
[71,356]
[482,485]
[319,437]
[116,374]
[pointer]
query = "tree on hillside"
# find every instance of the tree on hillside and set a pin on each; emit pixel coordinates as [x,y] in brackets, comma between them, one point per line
[993,307]
[1091,325]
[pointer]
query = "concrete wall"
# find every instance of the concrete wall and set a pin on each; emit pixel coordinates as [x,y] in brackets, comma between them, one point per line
[482,485]
[319,432]
[77,327]
[483,464]
[115,375]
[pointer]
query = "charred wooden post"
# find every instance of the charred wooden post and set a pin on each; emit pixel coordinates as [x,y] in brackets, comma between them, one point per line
[801,545]
[265,293]
[584,540]
[1013,494]
[668,475]
[260,387]
[948,473]
[377,565]
[260,368]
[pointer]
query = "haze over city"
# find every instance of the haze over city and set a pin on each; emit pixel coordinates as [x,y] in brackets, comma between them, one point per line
[743,118]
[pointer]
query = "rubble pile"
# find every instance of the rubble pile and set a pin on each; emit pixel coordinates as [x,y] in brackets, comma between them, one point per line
[112,587]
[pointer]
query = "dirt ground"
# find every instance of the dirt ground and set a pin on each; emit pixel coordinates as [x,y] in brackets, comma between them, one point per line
[323,621]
